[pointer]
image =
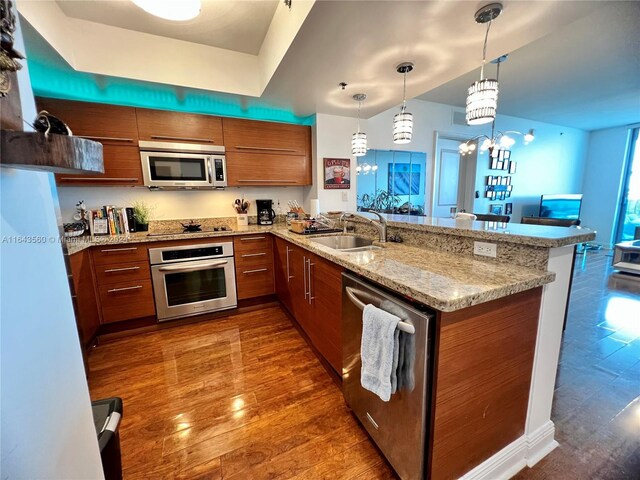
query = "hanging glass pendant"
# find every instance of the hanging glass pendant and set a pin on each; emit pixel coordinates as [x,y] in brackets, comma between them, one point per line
[482,96]
[359,139]
[403,121]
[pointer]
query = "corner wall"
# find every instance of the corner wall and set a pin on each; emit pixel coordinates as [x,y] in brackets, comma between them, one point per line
[608,151]
[46,420]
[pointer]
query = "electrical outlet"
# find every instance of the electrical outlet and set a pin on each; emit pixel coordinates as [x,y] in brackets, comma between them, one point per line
[345,197]
[485,249]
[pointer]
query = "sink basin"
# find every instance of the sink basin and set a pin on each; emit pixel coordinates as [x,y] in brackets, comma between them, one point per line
[349,243]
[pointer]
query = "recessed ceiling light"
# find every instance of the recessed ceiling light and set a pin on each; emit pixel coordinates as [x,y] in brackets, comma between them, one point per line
[170,9]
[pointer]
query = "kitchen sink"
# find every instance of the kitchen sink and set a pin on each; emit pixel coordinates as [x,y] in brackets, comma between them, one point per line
[349,243]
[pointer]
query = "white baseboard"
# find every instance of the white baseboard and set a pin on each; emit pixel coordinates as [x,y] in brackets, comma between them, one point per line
[525,451]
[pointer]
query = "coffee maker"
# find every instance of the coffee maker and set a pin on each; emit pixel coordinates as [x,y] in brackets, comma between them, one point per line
[266,215]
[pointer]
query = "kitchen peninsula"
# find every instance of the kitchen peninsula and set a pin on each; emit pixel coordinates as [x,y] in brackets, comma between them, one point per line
[496,333]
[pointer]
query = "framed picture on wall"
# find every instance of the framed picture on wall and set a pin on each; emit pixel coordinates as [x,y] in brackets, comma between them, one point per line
[507,154]
[508,208]
[337,173]
[494,163]
[495,208]
[512,167]
[489,180]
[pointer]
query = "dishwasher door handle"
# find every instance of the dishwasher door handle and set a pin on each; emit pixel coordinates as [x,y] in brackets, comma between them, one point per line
[351,293]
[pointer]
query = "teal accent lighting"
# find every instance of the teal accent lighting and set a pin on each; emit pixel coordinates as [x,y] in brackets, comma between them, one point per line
[51,76]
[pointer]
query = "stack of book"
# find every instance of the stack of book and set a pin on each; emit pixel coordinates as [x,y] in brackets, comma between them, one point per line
[111,220]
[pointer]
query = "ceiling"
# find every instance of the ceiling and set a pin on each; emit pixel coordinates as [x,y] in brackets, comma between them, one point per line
[585,75]
[238,26]
[361,42]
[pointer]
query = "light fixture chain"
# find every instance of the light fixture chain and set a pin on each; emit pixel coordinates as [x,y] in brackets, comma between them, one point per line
[404,91]
[484,49]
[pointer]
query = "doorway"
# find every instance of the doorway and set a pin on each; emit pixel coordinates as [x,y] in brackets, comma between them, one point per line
[629,217]
[454,178]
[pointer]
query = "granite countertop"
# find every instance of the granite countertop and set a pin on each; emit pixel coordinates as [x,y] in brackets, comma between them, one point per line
[534,235]
[440,280]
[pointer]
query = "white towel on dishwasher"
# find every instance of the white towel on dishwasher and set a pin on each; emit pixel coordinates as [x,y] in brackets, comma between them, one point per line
[379,351]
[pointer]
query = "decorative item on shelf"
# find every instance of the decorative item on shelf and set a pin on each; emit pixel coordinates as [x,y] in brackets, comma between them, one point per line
[241,207]
[495,208]
[74,229]
[142,214]
[9,56]
[359,139]
[47,124]
[497,142]
[482,95]
[337,173]
[403,121]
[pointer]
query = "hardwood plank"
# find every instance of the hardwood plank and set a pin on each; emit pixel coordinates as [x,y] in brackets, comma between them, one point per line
[237,397]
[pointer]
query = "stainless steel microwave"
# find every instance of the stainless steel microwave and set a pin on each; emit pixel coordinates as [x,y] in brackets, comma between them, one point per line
[182,165]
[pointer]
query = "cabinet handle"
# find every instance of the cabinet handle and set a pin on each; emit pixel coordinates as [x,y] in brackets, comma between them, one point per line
[253,254]
[124,289]
[304,275]
[309,274]
[265,149]
[268,181]
[248,239]
[255,271]
[111,270]
[119,249]
[289,277]
[107,139]
[101,179]
[188,139]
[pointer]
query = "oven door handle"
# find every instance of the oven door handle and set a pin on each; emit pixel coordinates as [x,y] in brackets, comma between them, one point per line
[204,266]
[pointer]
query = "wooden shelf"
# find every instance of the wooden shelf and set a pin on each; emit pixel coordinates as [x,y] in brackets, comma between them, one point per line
[58,153]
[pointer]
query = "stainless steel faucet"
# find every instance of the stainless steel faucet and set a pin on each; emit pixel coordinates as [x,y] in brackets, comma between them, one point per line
[380,224]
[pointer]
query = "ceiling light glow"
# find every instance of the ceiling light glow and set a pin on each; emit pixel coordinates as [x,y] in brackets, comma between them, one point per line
[170,9]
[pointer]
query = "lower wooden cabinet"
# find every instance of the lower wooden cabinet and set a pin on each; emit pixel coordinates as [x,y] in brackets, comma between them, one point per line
[87,311]
[254,265]
[310,287]
[123,282]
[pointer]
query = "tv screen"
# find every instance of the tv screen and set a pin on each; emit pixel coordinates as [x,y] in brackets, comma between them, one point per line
[564,206]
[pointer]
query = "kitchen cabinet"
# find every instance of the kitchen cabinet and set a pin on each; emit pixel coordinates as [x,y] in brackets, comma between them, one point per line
[123,279]
[87,310]
[310,287]
[254,265]
[113,126]
[267,153]
[166,126]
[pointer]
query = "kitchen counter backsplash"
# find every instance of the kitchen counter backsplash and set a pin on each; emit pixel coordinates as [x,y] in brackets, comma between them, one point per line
[172,226]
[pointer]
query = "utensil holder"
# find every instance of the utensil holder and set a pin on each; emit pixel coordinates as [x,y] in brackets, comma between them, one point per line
[243,219]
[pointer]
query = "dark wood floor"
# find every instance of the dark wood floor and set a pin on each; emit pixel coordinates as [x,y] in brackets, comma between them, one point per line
[596,406]
[245,398]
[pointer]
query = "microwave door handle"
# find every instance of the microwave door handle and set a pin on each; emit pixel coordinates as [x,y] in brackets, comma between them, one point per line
[204,266]
[210,170]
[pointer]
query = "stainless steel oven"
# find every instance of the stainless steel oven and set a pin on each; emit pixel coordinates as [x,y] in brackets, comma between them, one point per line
[193,279]
[182,165]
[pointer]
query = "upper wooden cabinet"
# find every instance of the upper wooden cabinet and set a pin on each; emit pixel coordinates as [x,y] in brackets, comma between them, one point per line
[165,126]
[122,166]
[107,124]
[266,169]
[250,136]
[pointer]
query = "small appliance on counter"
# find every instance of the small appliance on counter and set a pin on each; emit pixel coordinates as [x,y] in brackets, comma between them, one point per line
[266,214]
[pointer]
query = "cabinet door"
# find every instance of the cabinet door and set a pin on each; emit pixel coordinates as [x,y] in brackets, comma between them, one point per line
[326,301]
[107,124]
[267,169]
[283,273]
[165,126]
[299,286]
[87,314]
[122,166]
[266,137]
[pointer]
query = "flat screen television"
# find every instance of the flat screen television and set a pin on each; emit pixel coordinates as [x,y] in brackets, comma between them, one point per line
[564,206]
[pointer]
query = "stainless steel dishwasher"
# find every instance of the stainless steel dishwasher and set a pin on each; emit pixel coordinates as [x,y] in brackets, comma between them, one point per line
[399,427]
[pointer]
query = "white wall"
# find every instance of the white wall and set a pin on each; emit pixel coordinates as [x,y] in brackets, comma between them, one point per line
[603,181]
[553,163]
[176,204]
[332,139]
[46,422]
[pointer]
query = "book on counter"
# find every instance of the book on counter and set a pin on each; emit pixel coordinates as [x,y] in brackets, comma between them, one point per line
[110,220]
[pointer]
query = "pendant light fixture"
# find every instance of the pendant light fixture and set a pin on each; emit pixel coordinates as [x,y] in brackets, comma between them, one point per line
[482,96]
[359,139]
[403,121]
